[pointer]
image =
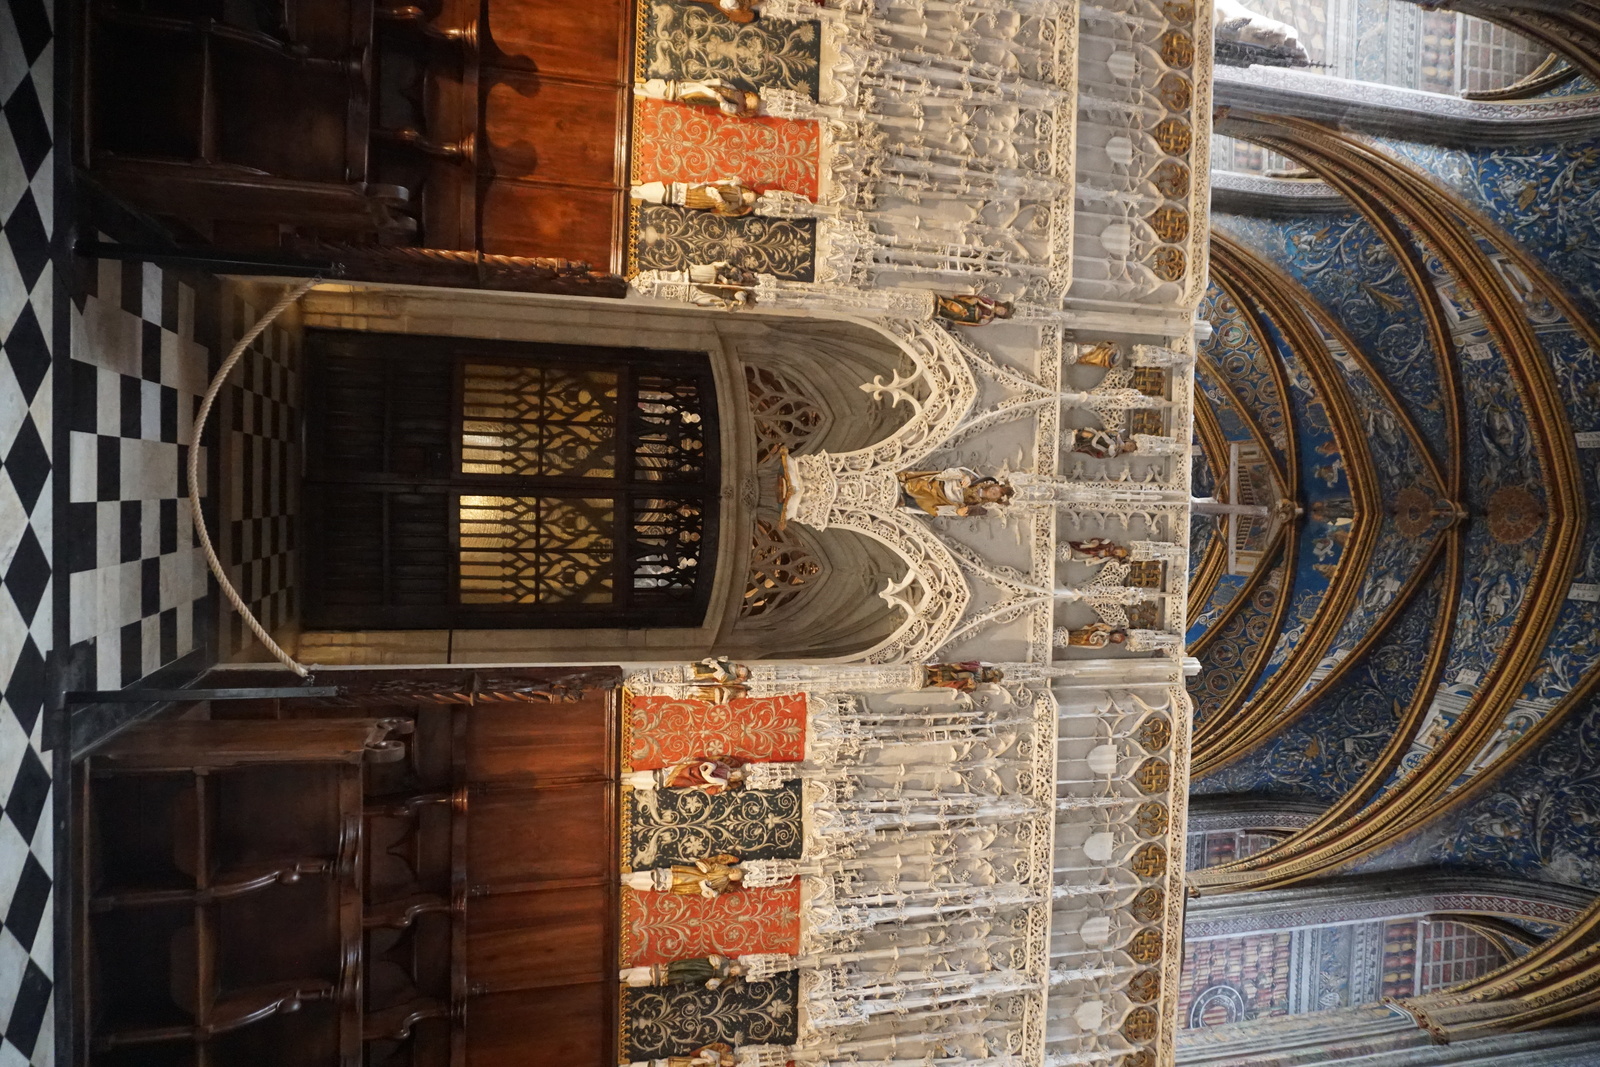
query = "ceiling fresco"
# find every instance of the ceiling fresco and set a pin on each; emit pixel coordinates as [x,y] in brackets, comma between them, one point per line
[1324,753]
[1344,263]
[1547,198]
[1524,208]
[1540,818]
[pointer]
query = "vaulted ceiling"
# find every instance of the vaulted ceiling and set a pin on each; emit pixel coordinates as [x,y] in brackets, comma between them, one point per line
[1415,648]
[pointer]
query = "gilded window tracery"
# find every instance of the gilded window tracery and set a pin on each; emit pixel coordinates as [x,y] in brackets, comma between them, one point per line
[780,567]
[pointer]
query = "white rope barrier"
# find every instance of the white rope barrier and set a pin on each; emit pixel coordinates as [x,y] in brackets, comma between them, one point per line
[194,476]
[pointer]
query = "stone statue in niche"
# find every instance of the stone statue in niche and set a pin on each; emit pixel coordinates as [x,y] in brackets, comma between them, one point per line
[734,10]
[708,876]
[710,775]
[730,197]
[965,676]
[1100,444]
[714,1055]
[970,309]
[713,93]
[707,971]
[721,284]
[954,491]
[1096,552]
[1104,354]
[721,678]
[1095,635]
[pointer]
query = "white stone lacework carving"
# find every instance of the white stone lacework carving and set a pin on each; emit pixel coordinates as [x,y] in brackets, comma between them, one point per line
[1156,356]
[768,874]
[784,415]
[948,103]
[929,855]
[860,490]
[760,966]
[1159,551]
[763,1055]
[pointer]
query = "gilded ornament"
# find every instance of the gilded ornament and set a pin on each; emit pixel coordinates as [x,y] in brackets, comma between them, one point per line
[1146,945]
[1171,224]
[1154,734]
[1175,91]
[1150,861]
[1514,515]
[1140,1025]
[1174,136]
[1147,904]
[1150,819]
[1144,987]
[1179,11]
[1177,48]
[1413,511]
[1170,264]
[1172,179]
[1153,776]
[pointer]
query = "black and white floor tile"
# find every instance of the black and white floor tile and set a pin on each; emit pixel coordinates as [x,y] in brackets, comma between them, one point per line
[139,581]
[27,295]
[260,442]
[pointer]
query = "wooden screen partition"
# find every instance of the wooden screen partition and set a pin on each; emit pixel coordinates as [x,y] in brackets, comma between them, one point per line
[457,905]
[476,127]
[465,483]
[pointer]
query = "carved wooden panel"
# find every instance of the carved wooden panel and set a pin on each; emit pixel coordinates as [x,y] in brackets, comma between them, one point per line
[528,220]
[548,1026]
[541,742]
[534,940]
[581,40]
[540,128]
[520,836]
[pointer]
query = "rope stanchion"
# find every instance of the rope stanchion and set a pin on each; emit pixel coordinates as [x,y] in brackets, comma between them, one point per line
[215,387]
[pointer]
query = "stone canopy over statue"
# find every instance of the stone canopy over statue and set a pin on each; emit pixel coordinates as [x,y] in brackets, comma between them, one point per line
[954,491]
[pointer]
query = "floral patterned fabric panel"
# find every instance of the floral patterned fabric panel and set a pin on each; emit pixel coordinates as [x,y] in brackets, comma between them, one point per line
[672,238]
[678,143]
[692,42]
[675,1020]
[662,927]
[666,730]
[668,826]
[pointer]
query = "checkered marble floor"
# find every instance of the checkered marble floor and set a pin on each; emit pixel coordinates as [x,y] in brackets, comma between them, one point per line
[259,437]
[28,290]
[139,582]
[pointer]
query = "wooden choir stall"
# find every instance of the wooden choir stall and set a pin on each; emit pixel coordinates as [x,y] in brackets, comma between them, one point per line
[422,870]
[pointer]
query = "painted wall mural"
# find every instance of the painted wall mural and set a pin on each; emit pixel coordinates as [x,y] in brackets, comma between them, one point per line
[675,828]
[678,143]
[677,1019]
[1227,588]
[672,142]
[668,826]
[672,238]
[1231,652]
[1320,968]
[694,42]
[1546,197]
[1537,818]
